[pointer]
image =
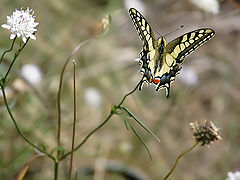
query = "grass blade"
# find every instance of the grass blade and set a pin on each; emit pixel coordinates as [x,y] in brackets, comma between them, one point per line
[140,138]
[140,123]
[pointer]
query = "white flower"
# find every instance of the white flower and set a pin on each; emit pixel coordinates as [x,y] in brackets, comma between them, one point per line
[7,92]
[31,73]
[21,23]
[138,4]
[211,6]
[188,76]
[93,97]
[233,176]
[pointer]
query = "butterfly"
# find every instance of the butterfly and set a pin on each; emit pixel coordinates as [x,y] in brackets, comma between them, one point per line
[161,62]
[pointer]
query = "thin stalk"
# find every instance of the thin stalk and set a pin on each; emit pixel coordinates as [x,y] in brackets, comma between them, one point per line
[86,138]
[8,50]
[129,93]
[15,57]
[102,124]
[60,91]
[20,131]
[56,165]
[178,158]
[74,118]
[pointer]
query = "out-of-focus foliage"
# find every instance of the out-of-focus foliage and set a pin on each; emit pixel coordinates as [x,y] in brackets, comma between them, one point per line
[107,71]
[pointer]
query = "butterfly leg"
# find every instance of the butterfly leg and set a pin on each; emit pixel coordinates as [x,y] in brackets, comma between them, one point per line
[168,90]
[142,82]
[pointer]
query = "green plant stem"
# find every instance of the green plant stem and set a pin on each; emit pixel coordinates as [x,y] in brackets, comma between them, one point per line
[20,131]
[8,50]
[56,165]
[60,88]
[74,118]
[178,158]
[118,106]
[15,57]
[60,91]
[86,138]
[113,111]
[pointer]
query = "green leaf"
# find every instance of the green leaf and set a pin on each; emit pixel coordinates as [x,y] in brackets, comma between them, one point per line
[140,138]
[43,147]
[57,149]
[125,120]
[140,123]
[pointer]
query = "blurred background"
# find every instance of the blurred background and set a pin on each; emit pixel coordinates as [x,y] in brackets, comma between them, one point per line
[208,87]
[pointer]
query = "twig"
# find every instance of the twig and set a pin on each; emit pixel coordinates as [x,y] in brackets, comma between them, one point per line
[20,131]
[8,50]
[178,158]
[74,118]
[60,90]
[15,57]
[129,93]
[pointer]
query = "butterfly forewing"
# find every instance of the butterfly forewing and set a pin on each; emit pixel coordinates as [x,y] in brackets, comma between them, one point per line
[143,28]
[149,41]
[187,43]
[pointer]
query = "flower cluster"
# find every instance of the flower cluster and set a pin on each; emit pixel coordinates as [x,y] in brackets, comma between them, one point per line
[21,23]
[233,176]
[211,6]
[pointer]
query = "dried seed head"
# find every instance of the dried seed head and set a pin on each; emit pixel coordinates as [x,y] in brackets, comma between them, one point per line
[101,28]
[106,21]
[205,133]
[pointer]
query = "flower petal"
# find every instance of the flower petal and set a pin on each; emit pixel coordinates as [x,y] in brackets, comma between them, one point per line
[24,39]
[6,26]
[12,36]
[32,36]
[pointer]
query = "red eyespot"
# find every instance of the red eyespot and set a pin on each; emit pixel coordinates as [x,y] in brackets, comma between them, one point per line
[156,81]
[151,80]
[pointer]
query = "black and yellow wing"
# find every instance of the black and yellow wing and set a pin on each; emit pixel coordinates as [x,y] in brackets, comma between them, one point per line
[143,28]
[149,43]
[187,43]
[175,53]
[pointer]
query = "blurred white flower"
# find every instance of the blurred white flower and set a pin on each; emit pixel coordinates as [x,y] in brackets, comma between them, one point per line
[138,4]
[211,6]
[125,147]
[233,176]
[93,97]
[21,23]
[188,76]
[7,91]
[31,73]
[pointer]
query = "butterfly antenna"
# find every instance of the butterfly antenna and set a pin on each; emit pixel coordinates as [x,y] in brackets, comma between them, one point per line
[174,30]
[157,33]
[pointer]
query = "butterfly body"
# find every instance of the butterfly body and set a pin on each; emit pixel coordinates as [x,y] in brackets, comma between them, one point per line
[161,62]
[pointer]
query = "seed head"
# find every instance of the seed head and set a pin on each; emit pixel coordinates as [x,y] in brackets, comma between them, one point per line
[205,133]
